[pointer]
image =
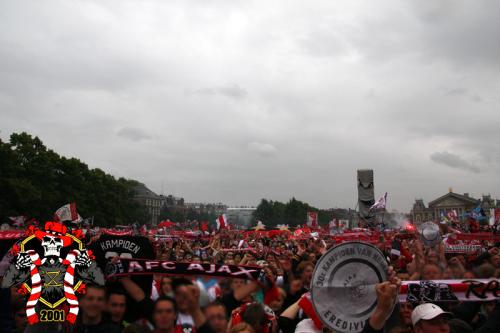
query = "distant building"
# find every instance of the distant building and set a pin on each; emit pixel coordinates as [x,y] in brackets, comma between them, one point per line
[154,202]
[172,201]
[420,213]
[461,203]
[207,208]
[240,215]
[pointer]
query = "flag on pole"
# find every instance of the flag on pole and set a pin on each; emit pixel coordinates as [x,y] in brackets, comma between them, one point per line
[312,219]
[478,213]
[221,222]
[381,203]
[452,215]
[204,226]
[497,215]
[89,221]
[260,226]
[18,221]
[67,213]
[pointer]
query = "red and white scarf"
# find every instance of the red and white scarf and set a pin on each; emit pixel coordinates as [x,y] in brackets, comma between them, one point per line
[69,282]
[36,286]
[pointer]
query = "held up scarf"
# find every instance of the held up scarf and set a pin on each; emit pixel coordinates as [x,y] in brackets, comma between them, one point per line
[127,267]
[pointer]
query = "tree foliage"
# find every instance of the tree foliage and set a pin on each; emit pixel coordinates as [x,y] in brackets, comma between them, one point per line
[293,213]
[35,181]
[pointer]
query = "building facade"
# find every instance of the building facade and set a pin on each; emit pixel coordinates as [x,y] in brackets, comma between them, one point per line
[460,203]
[207,208]
[154,202]
[240,215]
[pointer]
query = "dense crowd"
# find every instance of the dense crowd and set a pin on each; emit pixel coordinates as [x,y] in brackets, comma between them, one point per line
[221,305]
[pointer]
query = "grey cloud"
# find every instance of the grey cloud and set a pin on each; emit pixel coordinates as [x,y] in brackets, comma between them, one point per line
[291,98]
[454,161]
[205,91]
[261,148]
[435,11]
[233,91]
[462,33]
[134,134]
[322,42]
[457,91]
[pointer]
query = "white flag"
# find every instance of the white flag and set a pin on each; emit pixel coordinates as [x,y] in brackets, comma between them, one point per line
[67,213]
[380,204]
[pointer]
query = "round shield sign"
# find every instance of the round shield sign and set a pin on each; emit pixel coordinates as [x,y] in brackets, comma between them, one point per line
[429,233]
[343,285]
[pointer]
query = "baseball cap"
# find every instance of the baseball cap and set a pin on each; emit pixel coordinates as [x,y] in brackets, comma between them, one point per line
[427,311]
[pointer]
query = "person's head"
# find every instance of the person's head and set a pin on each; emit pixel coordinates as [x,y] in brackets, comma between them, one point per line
[469,275]
[277,303]
[461,258]
[180,288]
[216,316]
[93,302]
[166,286]
[431,272]
[405,309]
[495,260]
[432,257]
[164,313]
[430,318]
[242,328]
[164,255]
[295,286]
[237,283]
[237,258]
[456,268]
[312,257]
[459,326]
[255,315]
[448,273]
[251,259]
[116,305]
[305,270]
[484,271]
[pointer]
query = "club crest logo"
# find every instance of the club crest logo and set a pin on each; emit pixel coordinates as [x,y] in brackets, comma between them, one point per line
[52,266]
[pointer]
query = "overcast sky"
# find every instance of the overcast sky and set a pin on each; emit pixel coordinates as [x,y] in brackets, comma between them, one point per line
[233,101]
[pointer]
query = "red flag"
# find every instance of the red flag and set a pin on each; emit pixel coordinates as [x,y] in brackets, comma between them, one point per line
[166,224]
[312,219]
[67,213]
[204,226]
[221,222]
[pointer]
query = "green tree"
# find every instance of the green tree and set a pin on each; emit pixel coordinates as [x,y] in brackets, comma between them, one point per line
[35,181]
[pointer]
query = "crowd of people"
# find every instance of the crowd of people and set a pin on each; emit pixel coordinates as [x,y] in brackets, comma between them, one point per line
[232,305]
